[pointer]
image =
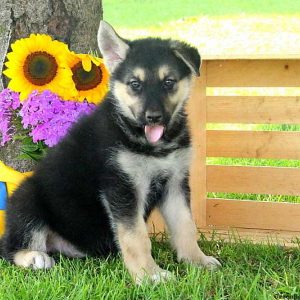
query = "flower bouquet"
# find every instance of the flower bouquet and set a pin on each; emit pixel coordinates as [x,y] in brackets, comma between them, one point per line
[50,88]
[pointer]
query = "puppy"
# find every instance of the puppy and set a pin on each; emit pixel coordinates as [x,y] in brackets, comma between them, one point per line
[93,192]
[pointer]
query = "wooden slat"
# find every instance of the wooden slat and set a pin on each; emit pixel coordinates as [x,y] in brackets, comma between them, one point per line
[260,236]
[252,214]
[253,144]
[253,110]
[253,73]
[256,180]
[197,121]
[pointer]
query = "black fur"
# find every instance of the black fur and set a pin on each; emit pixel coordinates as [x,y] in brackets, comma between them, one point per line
[64,191]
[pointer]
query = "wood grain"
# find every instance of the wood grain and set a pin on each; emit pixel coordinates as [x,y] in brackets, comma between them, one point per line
[253,214]
[256,180]
[253,144]
[253,73]
[253,109]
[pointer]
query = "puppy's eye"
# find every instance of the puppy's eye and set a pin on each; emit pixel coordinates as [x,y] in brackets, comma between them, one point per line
[169,84]
[135,85]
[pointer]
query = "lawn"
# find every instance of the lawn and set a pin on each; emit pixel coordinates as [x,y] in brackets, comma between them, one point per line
[249,272]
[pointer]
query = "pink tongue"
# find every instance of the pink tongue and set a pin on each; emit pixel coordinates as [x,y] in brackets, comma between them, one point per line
[154,133]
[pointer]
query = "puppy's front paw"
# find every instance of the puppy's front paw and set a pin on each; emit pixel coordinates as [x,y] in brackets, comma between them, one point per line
[162,276]
[157,277]
[211,263]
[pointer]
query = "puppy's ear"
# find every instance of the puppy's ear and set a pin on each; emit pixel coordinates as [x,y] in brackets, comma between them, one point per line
[189,55]
[113,48]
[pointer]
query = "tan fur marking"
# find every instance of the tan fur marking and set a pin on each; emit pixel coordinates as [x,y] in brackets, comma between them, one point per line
[135,246]
[185,242]
[183,91]
[163,72]
[177,100]
[139,73]
[130,104]
[183,229]
[121,92]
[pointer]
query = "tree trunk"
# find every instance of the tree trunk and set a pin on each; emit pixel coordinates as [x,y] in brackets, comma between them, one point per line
[74,22]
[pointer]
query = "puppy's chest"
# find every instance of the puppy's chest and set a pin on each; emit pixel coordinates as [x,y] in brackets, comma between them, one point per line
[146,172]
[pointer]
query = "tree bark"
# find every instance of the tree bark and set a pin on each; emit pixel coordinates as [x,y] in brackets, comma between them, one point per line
[74,22]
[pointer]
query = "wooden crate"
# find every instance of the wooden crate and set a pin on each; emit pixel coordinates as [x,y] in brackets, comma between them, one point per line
[258,221]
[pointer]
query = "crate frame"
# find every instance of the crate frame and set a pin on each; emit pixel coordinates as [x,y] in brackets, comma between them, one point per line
[258,221]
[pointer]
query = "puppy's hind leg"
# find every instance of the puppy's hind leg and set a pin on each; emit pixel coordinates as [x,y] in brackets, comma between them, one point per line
[33,259]
[33,253]
[57,244]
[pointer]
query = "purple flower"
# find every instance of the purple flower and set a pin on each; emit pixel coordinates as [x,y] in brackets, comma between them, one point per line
[49,117]
[9,101]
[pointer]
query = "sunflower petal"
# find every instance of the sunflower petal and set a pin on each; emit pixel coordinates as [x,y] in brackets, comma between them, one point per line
[9,73]
[96,60]
[87,64]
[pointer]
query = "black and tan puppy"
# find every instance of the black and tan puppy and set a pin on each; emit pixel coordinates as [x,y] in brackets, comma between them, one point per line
[94,191]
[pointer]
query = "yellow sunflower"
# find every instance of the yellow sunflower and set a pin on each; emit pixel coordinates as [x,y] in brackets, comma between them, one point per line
[90,77]
[39,63]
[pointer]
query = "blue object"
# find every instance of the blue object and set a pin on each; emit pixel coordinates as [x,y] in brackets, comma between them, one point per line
[3,195]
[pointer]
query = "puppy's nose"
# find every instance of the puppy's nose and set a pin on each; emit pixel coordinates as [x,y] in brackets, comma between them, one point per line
[153,116]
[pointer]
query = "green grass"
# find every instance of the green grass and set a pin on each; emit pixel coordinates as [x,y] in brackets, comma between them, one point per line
[248,272]
[141,13]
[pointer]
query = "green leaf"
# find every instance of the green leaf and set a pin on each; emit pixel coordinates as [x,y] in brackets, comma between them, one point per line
[24,156]
[18,137]
[28,141]
[30,148]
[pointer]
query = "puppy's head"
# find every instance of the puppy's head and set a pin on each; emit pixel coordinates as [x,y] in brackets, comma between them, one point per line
[150,78]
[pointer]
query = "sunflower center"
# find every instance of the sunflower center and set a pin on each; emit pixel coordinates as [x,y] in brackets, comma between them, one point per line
[40,68]
[86,80]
